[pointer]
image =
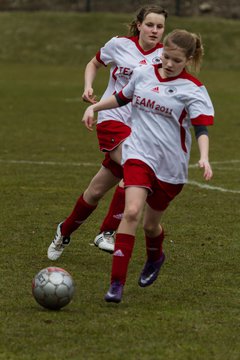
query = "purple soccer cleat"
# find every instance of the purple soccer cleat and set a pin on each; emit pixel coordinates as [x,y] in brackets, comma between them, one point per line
[114,293]
[150,271]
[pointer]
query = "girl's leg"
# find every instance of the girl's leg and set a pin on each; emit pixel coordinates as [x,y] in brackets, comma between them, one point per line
[105,239]
[103,181]
[154,236]
[154,233]
[116,154]
[115,211]
[125,238]
[85,205]
[134,203]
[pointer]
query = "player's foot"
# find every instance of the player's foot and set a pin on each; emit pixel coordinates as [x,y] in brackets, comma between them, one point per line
[150,271]
[58,244]
[114,293]
[105,241]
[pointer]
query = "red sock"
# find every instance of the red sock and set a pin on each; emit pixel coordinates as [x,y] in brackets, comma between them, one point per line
[80,213]
[115,211]
[122,254]
[154,247]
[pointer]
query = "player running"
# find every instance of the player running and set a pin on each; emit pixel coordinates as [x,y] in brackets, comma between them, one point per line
[166,102]
[114,126]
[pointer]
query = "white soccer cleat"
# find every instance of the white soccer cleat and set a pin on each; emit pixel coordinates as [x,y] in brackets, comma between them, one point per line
[58,244]
[105,241]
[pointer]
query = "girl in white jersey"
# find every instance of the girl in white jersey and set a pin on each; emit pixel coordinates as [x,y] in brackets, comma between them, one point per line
[166,101]
[113,126]
[124,54]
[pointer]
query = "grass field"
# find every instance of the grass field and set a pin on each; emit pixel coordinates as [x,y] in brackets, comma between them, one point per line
[47,158]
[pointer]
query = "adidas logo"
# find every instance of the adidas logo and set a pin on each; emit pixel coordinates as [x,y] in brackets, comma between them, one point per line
[143,62]
[79,222]
[156,89]
[118,253]
[118,216]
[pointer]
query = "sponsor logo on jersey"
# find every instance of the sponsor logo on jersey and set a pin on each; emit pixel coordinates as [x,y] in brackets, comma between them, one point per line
[156,89]
[121,71]
[156,60]
[170,90]
[147,104]
[143,62]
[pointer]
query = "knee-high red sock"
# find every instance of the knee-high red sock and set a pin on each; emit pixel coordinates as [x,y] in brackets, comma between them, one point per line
[115,211]
[80,213]
[122,254]
[154,246]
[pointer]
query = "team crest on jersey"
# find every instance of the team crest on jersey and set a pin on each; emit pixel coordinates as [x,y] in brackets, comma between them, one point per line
[156,60]
[170,90]
[143,62]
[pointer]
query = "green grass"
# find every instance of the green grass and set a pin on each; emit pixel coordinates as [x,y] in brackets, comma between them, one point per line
[192,312]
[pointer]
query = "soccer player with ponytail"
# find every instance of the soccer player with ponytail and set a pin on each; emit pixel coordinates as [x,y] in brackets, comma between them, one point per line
[166,102]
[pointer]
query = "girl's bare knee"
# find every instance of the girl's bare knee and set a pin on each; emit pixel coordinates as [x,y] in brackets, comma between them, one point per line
[93,194]
[131,215]
[152,230]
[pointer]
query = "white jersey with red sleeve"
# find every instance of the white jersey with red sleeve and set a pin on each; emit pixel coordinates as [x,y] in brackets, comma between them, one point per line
[124,54]
[163,110]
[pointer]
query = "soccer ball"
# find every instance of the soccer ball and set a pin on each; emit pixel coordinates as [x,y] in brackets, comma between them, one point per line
[53,288]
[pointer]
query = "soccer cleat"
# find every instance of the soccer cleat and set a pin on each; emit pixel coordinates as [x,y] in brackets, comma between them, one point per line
[105,241]
[58,244]
[114,293]
[150,271]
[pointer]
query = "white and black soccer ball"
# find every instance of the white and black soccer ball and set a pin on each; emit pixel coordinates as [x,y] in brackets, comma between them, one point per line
[53,288]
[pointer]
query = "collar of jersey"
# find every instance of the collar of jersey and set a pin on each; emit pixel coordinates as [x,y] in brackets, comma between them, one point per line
[135,39]
[158,66]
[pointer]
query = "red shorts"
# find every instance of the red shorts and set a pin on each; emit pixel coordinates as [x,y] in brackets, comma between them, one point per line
[137,173]
[111,133]
[116,169]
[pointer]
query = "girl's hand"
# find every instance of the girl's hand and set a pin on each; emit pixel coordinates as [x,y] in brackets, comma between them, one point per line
[88,118]
[205,165]
[88,96]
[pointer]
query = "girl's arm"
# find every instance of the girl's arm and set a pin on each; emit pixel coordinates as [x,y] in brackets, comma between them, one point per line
[104,104]
[203,144]
[90,74]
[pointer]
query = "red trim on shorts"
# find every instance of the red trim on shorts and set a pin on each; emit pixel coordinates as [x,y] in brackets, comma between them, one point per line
[111,133]
[139,174]
[116,169]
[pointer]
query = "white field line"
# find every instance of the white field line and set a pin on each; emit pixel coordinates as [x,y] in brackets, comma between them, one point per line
[57,163]
[89,164]
[226,162]
[53,163]
[217,163]
[209,187]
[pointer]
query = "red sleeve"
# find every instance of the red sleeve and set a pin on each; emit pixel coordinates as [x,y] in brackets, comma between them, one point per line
[123,98]
[98,57]
[203,120]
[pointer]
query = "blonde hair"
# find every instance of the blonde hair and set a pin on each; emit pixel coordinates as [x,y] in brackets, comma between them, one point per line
[190,43]
[141,15]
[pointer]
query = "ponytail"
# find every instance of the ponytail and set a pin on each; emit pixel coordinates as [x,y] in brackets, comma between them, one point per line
[190,43]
